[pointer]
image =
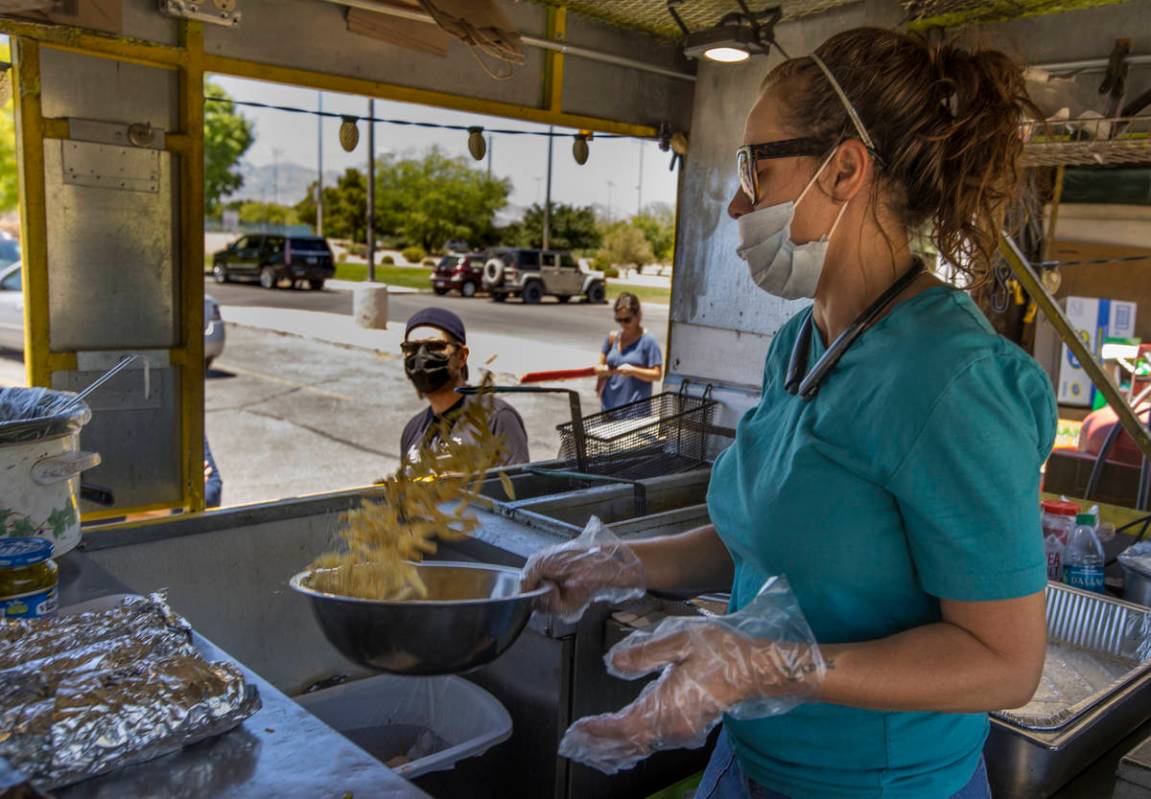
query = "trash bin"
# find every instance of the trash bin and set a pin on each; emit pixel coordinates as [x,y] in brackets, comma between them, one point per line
[419,724]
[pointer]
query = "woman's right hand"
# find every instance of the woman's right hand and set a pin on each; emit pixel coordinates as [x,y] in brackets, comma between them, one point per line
[602,370]
[596,567]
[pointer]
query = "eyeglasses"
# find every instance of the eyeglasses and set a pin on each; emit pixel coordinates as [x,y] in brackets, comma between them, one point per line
[434,347]
[747,160]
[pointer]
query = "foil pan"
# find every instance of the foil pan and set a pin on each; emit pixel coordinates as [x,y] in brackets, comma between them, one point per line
[86,694]
[1095,647]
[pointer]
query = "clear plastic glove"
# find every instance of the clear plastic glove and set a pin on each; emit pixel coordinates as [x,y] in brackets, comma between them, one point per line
[596,567]
[761,661]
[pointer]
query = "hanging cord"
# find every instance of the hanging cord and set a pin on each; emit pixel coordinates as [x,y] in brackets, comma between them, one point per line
[406,122]
[502,47]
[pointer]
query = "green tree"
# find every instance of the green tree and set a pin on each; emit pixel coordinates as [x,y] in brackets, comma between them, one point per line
[424,201]
[572,228]
[345,207]
[227,136]
[9,171]
[625,245]
[258,213]
[658,225]
[435,199]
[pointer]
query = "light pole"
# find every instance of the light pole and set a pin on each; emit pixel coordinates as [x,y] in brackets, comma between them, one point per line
[276,175]
[610,186]
[639,185]
[548,197]
[371,191]
[320,161]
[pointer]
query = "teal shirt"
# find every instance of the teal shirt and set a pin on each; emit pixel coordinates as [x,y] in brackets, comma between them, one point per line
[912,476]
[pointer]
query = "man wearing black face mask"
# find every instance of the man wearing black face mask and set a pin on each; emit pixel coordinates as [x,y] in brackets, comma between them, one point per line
[436,361]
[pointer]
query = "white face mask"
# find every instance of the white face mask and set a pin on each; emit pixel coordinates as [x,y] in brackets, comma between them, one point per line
[778,265]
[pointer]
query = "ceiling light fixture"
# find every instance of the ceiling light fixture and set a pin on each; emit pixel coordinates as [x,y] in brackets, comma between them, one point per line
[736,37]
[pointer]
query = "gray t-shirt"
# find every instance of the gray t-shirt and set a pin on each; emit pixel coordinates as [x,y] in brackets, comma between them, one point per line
[505,421]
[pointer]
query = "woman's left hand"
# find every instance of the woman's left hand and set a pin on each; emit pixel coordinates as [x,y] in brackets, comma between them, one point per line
[625,369]
[758,662]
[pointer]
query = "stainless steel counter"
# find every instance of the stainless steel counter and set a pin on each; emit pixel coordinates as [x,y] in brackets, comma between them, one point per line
[281,751]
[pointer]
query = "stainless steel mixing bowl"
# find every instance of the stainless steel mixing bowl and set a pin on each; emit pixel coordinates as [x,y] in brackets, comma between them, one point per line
[473,613]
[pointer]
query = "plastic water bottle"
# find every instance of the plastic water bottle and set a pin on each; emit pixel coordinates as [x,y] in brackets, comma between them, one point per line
[1083,556]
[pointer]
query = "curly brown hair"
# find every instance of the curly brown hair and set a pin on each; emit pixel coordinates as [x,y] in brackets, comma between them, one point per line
[946,127]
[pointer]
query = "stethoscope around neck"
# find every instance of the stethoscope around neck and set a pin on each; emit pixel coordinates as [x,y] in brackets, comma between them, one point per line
[806,384]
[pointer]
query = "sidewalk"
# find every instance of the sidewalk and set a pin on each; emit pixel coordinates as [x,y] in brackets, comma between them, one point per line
[513,355]
[649,281]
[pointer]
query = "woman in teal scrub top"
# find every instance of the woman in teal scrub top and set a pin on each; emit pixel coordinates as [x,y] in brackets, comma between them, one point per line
[895,481]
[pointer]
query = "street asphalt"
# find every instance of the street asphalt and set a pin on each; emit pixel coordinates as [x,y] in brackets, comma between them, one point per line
[288,416]
[297,407]
[575,324]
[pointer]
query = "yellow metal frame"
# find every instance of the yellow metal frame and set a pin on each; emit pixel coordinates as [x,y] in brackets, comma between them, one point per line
[554,65]
[1031,283]
[191,62]
[192,251]
[35,129]
[294,76]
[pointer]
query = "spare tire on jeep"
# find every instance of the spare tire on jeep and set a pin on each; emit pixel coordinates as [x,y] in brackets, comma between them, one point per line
[494,272]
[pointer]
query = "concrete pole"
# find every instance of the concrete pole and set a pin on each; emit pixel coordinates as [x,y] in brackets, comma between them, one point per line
[548,195]
[639,185]
[371,191]
[320,161]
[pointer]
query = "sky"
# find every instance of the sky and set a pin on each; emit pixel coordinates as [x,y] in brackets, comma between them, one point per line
[610,178]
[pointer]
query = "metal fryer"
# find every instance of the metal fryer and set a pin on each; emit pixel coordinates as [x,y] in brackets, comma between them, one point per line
[1033,755]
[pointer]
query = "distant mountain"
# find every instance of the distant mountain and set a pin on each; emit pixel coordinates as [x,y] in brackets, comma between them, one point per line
[510,213]
[285,183]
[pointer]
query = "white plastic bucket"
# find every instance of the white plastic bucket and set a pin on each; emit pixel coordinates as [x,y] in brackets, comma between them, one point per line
[466,718]
[40,466]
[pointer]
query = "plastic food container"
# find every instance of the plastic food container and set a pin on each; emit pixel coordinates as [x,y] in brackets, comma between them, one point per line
[441,720]
[1059,518]
[1058,524]
[41,461]
[28,579]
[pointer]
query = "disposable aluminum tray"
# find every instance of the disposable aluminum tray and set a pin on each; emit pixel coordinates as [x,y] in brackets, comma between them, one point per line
[1024,760]
[1114,639]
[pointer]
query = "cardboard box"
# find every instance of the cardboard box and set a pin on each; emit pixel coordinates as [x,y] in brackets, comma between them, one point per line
[1095,320]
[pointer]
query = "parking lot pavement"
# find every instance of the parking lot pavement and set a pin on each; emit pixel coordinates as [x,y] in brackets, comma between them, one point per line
[288,416]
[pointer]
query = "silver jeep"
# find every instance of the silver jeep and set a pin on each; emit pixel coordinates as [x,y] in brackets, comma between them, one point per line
[534,274]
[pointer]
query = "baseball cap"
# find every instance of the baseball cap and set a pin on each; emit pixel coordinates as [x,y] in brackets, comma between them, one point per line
[440,318]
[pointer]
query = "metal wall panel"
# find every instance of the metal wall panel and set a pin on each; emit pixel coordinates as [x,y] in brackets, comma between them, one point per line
[111,246]
[111,91]
[273,32]
[270,33]
[654,98]
[136,430]
[143,21]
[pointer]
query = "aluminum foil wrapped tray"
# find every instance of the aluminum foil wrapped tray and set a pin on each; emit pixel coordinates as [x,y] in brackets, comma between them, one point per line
[82,695]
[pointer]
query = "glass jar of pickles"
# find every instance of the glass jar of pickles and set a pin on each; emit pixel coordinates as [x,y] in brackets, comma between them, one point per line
[28,578]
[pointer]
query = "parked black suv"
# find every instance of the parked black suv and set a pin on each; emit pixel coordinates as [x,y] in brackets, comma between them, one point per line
[272,259]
